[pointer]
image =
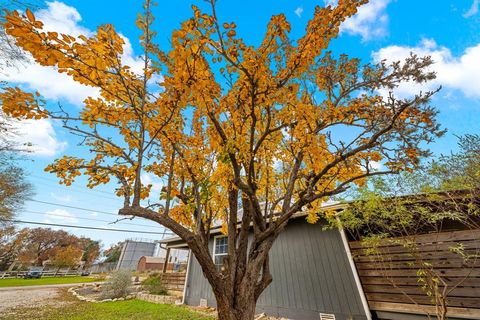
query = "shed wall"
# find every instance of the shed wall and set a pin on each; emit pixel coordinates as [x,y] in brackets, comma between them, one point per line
[311,274]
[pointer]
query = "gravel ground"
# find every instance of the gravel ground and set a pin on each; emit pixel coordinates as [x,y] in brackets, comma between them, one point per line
[21,298]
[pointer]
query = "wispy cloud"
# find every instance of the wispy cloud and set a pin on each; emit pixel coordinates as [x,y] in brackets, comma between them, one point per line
[473,9]
[62,198]
[299,12]
[60,216]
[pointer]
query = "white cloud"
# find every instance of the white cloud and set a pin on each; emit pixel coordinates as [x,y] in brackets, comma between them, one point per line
[62,198]
[136,64]
[39,137]
[148,178]
[55,86]
[51,84]
[473,9]
[299,12]
[375,165]
[370,22]
[60,216]
[62,18]
[453,73]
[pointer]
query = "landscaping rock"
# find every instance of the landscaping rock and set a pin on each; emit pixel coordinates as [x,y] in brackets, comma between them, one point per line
[157,298]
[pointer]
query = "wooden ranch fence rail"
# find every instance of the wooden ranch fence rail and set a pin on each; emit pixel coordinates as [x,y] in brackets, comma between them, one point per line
[390,281]
[47,273]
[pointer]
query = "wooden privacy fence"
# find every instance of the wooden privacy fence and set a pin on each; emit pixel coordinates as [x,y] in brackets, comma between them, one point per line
[389,276]
[174,280]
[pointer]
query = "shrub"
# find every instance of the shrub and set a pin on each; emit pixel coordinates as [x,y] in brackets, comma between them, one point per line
[118,284]
[153,284]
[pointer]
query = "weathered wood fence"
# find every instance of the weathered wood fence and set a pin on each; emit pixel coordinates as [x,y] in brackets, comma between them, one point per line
[389,272]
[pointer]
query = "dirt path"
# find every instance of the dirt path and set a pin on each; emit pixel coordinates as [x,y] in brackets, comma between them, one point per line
[34,297]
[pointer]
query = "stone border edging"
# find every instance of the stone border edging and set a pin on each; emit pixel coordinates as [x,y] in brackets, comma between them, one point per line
[154,298]
[83,298]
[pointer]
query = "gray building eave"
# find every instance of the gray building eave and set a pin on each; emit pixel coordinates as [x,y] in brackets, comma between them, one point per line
[177,242]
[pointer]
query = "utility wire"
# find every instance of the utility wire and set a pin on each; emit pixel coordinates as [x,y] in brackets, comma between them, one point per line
[92,193]
[76,208]
[72,186]
[84,227]
[73,207]
[91,219]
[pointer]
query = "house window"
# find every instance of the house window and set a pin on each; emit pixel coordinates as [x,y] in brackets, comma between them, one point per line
[220,251]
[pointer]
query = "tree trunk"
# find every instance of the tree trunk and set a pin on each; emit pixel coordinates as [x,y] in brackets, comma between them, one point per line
[240,307]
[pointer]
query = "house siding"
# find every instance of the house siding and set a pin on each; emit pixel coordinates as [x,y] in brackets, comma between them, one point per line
[311,274]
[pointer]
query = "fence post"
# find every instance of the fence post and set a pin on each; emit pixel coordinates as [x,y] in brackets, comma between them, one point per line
[165,263]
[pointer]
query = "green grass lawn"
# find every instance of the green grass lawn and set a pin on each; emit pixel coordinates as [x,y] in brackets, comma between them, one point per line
[131,309]
[42,281]
[119,310]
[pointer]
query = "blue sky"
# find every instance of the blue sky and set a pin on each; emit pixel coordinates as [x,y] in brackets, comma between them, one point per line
[448,30]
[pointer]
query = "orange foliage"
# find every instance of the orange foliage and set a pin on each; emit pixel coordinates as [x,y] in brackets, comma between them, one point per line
[285,123]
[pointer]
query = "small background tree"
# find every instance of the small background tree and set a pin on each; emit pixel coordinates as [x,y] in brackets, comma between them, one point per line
[113,253]
[90,251]
[443,195]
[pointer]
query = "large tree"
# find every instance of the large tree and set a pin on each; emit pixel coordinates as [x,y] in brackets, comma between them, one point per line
[37,245]
[11,243]
[67,257]
[40,244]
[273,129]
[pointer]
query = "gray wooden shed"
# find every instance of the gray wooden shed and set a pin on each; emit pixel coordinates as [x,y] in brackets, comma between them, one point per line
[312,275]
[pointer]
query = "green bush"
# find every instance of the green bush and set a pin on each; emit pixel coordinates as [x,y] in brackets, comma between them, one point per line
[153,284]
[118,285]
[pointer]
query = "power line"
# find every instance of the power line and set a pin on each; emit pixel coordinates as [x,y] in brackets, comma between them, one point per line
[91,219]
[86,210]
[85,227]
[58,188]
[72,186]
[92,192]
[73,207]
